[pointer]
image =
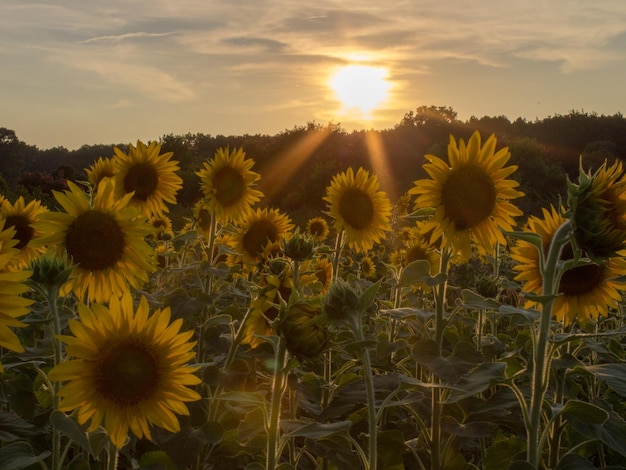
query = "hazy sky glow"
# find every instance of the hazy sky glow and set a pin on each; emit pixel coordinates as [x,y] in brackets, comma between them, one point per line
[79,72]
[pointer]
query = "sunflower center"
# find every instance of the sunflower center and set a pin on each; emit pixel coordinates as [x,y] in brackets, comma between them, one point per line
[229,186]
[95,241]
[415,253]
[581,279]
[127,373]
[258,236]
[468,196]
[356,208]
[23,231]
[143,179]
[317,229]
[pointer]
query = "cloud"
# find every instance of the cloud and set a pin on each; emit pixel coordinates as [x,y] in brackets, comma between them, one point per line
[121,37]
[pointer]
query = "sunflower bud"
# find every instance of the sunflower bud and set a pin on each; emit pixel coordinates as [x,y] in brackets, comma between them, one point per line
[304,328]
[598,211]
[341,302]
[299,247]
[49,271]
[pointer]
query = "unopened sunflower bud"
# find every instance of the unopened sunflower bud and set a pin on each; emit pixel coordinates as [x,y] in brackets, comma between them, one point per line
[304,328]
[341,302]
[299,247]
[598,211]
[50,271]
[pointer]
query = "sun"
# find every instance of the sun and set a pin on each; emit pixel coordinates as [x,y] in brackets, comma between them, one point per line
[361,88]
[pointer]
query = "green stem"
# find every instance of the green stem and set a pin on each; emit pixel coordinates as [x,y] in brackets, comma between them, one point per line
[540,377]
[278,388]
[113,456]
[436,405]
[371,405]
[51,294]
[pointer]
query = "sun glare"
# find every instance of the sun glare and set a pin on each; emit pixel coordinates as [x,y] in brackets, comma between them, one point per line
[360,88]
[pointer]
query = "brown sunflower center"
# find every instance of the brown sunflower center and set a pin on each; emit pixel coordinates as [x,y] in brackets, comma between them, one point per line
[356,208]
[143,179]
[127,373]
[317,228]
[581,279]
[95,241]
[258,236]
[229,186]
[416,252]
[468,196]
[23,230]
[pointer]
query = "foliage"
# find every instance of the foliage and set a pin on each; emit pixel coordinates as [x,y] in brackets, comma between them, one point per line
[418,366]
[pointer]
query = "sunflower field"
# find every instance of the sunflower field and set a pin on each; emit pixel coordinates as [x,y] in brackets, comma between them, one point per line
[444,330]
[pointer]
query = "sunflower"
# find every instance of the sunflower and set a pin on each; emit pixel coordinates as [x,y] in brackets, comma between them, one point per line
[100,169]
[470,195]
[12,286]
[105,240]
[585,291]
[202,217]
[22,217]
[317,227]
[276,284]
[359,208]
[260,228]
[321,268]
[367,267]
[150,177]
[162,225]
[598,211]
[128,369]
[226,181]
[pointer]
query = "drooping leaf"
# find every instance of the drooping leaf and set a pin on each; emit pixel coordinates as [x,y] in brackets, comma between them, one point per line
[13,427]
[70,428]
[473,300]
[314,430]
[19,455]
[477,380]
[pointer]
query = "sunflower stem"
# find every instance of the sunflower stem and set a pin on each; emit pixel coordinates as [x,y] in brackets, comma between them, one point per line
[278,388]
[436,405]
[339,242]
[540,377]
[113,455]
[368,377]
[51,295]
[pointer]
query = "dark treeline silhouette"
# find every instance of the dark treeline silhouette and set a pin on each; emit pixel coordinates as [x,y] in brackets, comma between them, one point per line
[297,164]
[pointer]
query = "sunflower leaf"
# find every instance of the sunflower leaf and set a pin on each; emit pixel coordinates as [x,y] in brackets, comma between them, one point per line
[70,428]
[529,237]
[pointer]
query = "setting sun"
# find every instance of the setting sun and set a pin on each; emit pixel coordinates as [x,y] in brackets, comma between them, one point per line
[360,87]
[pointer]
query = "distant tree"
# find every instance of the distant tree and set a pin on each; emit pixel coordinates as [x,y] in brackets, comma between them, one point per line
[12,155]
[542,180]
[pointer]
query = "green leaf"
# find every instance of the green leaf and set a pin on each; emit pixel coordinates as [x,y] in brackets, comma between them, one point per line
[473,300]
[414,273]
[529,237]
[611,432]
[156,459]
[614,375]
[19,455]
[391,448]
[529,315]
[574,462]
[367,298]
[314,430]
[13,427]
[584,412]
[477,380]
[70,428]
[501,453]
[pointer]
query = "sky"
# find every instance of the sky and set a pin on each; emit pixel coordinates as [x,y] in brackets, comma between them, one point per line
[76,72]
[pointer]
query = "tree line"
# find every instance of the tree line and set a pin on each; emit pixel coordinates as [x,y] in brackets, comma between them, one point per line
[297,164]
